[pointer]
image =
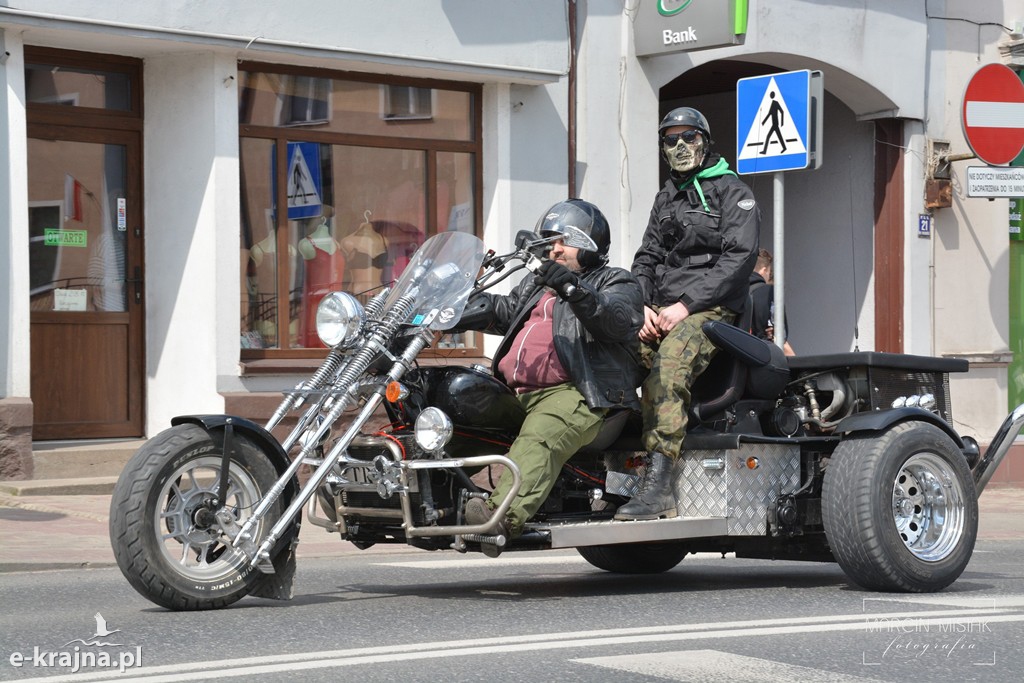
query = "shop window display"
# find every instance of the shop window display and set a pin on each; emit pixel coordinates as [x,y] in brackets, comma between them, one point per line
[361,196]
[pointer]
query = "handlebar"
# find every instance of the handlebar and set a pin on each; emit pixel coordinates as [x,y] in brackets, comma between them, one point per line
[533,265]
[527,250]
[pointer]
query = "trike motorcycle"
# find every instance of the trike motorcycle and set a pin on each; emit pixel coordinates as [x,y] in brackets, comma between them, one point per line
[847,458]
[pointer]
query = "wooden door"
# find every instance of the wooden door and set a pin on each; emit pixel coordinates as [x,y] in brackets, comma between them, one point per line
[86,272]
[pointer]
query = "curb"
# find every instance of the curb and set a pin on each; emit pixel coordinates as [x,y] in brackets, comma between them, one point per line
[12,567]
[92,486]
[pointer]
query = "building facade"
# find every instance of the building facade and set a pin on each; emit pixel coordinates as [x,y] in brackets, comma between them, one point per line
[182,183]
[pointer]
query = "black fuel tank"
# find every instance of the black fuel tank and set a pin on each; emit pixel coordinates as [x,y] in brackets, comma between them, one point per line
[476,402]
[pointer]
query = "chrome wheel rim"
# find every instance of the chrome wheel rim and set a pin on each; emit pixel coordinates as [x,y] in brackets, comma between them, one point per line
[191,546]
[928,507]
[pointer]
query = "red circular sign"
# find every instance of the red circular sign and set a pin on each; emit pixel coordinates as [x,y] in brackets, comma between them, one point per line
[993,114]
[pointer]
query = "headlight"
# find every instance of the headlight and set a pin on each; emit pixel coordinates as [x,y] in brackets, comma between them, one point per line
[339,317]
[433,429]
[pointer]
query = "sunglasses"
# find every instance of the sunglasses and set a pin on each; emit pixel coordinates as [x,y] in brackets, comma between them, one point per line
[688,136]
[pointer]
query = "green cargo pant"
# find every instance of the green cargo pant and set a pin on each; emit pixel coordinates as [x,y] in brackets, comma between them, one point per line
[675,362]
[558,423]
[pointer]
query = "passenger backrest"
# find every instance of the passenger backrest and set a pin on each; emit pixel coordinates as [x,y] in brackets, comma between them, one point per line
[723,382]
[745,367]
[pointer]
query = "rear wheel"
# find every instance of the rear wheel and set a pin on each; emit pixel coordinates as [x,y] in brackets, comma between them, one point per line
[161,519]
[634,558]
[900,509]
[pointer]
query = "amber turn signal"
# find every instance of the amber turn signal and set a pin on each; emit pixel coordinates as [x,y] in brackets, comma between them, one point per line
[395,392]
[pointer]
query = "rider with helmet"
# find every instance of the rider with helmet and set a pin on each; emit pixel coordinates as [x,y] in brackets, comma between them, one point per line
[570,353]
[693,263]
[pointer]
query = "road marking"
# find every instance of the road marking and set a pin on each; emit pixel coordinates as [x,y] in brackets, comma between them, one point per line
[970,602]
[511,560]
[712,666]
[253,666]
[478,562]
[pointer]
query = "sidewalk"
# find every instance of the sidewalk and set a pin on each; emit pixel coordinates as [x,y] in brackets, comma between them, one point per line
[47,525]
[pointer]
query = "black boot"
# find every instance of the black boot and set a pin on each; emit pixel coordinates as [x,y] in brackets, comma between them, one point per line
[477,513]
[654,499]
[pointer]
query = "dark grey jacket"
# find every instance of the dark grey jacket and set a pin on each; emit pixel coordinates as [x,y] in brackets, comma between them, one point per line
[700,247]
[595,338]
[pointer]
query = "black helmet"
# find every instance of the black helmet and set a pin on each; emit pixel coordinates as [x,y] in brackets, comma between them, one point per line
[686,116]
[579,224]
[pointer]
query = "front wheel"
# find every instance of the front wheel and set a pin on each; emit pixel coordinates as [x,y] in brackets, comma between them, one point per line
[900,509]
[160,518]
[634,558]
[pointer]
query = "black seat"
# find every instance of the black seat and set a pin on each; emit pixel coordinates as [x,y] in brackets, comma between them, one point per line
[610,431]
[745,367]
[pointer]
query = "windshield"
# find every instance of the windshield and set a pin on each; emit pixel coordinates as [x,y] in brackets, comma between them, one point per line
[440,276]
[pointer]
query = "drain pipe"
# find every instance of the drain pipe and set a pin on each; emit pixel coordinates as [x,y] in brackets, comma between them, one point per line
[998,449]
[572,99]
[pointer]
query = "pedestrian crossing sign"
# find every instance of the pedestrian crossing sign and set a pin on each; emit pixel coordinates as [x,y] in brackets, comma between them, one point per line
[305,190]
[778,122]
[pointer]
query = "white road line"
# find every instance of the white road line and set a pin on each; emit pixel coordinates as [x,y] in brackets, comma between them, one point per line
[477,562]
[953,600]
[253,666]
[510,560]
[712,666]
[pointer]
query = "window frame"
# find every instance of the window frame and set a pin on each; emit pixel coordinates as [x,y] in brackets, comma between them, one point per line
[431,147]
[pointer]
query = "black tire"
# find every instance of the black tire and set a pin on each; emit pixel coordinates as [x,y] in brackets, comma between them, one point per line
[165,556]
[634,558]
[900,509]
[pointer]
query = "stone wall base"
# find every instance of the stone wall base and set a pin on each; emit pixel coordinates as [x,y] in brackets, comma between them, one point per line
[15,438]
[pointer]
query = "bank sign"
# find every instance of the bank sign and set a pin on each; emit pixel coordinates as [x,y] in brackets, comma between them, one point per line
[683,25]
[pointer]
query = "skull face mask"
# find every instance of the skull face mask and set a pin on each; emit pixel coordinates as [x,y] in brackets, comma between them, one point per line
[684,156]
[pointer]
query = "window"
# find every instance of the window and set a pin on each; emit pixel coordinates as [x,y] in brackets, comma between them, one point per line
[98,84]
[307,102]
[407,103]
[376,168]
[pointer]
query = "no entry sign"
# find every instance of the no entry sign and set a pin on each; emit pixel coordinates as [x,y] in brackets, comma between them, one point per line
[993,114]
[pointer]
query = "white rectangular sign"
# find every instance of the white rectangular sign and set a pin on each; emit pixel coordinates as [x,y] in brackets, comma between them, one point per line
[995,181]
[69,299]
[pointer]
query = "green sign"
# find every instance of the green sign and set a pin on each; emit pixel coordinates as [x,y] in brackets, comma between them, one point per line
[1016,208]
[65,238]
[683,25]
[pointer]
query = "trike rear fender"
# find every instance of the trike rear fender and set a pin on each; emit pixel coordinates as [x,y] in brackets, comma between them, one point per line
[880,420]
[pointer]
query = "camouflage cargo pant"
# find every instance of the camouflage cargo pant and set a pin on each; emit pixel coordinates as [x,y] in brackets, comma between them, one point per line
[675,363]
[558,423]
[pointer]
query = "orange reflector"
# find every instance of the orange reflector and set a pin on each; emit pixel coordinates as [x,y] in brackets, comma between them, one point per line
[752,463]
[395,392]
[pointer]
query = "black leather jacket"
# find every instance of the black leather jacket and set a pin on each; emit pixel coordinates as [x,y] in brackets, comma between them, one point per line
[595,338]
[700,247]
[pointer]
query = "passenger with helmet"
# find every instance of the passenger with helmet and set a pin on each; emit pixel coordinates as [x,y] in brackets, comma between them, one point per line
[570,352]
[693,264]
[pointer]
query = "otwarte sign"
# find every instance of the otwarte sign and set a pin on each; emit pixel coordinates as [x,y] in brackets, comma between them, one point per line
[661,26]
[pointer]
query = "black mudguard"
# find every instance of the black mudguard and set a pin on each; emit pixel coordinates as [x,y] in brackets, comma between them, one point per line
[880,420]
[277,586]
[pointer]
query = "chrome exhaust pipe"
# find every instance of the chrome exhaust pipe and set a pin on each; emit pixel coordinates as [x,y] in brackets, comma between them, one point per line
[998,449]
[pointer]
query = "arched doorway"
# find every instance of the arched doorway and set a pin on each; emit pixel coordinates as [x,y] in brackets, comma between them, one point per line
[843,222]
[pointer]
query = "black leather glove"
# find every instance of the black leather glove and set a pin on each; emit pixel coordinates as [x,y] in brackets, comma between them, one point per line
[559,278]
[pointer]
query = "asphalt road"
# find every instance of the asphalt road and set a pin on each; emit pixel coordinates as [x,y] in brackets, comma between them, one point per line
[415,616]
